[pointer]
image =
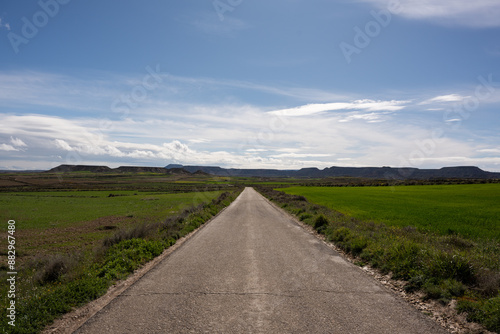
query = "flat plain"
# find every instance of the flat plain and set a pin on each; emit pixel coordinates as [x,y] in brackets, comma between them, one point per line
[77,233]
[470,210]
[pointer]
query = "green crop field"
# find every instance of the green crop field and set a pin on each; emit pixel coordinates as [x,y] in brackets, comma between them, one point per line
[469,210]
[41,210]
[76,234]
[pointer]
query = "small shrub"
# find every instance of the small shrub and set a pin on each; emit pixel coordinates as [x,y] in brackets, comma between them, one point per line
[304,216]
[140,231]
[320,223]
[53,268]
[402,258]
[446,266]
[356,245]
[488,282]
[458,242]
[444,291]
[300,198]
[341,234]
[108,227]
[415,283]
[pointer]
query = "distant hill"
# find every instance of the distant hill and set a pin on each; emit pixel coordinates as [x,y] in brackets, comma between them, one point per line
[133,169]
[462,172]
[121,169]
[407,173]
[79,168]
[8,171]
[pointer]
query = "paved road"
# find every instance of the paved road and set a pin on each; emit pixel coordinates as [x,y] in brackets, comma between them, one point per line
[253,270]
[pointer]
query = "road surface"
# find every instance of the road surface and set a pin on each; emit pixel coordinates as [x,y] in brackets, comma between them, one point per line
[254,270]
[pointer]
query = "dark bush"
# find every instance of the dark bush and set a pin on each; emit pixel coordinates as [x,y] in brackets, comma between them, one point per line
[304,216]
[357,245]
[451,266]
[138,232]
[320,223]
[341,234]
[53,268]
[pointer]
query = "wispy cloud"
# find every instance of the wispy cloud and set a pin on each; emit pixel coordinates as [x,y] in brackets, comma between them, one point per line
[480,13]
[365,105]
[490,150]
[445,98]
[41,90]
[17,142]
[63,145]
[16,145]
[300,155]
[7,147]
[297,93]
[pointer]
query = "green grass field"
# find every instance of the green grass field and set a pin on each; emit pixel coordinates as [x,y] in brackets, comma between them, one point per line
[77,233]
[469,210]
[42,210]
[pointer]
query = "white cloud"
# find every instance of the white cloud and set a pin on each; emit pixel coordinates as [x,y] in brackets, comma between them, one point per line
[199,140]
[490,150]
[63,145]
[17,142]
[366,105]
[302,142]
[370,118]
[6,147]
[256,150]
[479,13]
[300,155]
[444,99]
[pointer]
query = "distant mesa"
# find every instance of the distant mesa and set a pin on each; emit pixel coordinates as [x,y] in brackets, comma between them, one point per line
[172,166]
[133,169]
[79,168]
[121,169]
[461,172]
[387,173]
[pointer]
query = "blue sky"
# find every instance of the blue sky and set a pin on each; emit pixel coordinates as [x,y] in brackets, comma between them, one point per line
[250,84]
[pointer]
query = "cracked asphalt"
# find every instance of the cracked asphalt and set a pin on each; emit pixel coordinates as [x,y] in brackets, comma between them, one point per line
[254,270]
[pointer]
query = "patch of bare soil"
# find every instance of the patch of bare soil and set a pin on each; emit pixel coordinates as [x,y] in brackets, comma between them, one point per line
[9,182]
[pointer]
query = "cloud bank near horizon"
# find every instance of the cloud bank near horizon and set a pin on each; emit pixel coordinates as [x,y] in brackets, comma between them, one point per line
[163,128]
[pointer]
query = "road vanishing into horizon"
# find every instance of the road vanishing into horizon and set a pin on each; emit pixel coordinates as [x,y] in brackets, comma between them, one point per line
[253,269]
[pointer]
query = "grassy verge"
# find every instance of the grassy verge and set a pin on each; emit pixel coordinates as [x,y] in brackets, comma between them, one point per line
[52,286]
[443,267]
